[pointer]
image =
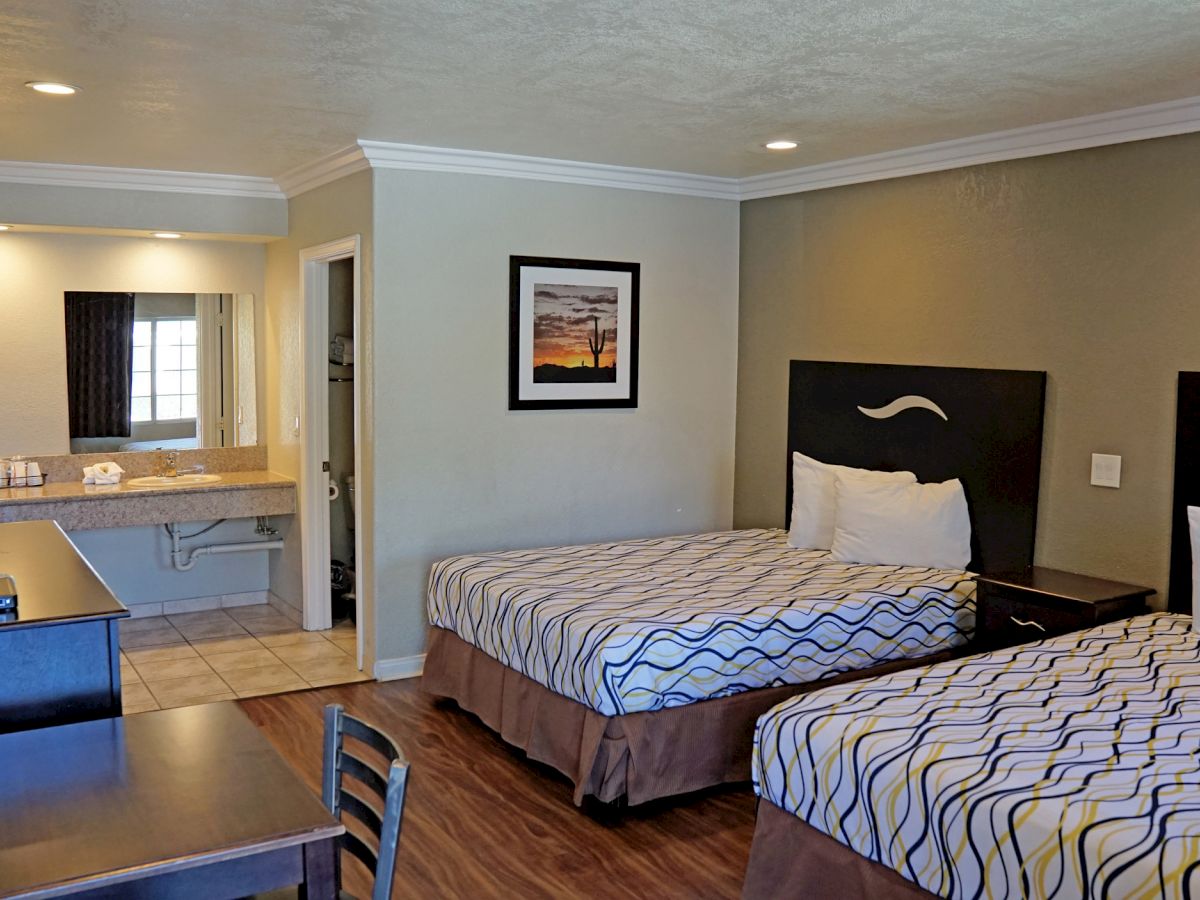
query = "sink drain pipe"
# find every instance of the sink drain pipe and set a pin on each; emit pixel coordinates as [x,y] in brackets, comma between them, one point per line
[184,560]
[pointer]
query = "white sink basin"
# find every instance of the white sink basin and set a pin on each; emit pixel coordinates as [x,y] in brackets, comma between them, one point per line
[167,481]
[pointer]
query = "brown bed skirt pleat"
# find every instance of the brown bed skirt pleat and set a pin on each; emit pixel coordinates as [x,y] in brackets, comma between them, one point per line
[790,858]
[640,756]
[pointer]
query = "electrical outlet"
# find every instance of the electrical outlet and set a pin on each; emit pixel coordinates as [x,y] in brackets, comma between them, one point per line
[1106,470]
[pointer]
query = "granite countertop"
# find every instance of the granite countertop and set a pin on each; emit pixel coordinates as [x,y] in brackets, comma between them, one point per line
[67,491]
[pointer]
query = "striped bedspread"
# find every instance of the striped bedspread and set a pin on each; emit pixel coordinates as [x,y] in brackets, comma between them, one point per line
[1064,769]
[649,624]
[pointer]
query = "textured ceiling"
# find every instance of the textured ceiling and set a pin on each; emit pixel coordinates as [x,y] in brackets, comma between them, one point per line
[256,87]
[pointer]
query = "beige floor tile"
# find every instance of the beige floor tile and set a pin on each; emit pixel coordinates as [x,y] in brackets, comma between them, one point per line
[142,624]
[129,675]
[198,631]
[200,617]
[257,611]
[296,685]
[137,698]
[209,646]
[241,659]
[275,624]
[347,645]
[259,677]
[150,637]
[339,679]
[172,668]
[313,670]
[158,654]
[196,701]
[173,690]
[309,650]
[295,636]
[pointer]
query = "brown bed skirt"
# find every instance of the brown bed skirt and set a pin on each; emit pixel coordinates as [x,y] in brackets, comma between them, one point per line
[790,858]
[639,756]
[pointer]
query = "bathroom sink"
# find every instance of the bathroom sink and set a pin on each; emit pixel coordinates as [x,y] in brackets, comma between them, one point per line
[167,481]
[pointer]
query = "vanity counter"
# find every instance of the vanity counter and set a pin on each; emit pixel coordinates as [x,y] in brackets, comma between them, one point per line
[77,506]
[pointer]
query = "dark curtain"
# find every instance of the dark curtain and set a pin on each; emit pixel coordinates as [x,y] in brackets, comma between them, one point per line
[99,362]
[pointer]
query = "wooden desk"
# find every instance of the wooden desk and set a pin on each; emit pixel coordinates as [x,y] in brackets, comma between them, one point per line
[181,803]
[59,653]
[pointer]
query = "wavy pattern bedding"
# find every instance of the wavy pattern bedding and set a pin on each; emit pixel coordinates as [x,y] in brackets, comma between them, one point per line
[1064,769]
[650,624]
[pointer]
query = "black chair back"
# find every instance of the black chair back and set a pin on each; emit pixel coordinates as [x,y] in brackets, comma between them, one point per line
[388,787]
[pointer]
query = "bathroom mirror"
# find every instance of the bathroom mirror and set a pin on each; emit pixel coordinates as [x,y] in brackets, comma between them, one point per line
[160,371]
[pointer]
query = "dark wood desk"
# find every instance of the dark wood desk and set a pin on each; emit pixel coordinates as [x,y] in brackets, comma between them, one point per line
[181,803]
[59,653]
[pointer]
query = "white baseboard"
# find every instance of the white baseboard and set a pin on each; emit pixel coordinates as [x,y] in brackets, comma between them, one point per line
[401,667]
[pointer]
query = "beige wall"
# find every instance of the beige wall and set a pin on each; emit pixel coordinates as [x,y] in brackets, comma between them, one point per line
[1083,264]
[37,268]
[81,207]
[457,470]
[336,210]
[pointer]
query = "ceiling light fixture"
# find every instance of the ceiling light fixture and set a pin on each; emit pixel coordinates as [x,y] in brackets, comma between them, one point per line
[5,227]
[781,145]
[52,87]
[170,235]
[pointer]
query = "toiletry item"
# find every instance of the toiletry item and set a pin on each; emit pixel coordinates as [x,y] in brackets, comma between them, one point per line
[8,593]
[103,473]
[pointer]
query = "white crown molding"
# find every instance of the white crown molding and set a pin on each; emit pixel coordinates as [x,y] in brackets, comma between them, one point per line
[321,171]
[383,155]
[1135,124]
[138,180]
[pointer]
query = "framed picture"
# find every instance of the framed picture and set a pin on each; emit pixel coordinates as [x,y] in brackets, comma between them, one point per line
[572,333]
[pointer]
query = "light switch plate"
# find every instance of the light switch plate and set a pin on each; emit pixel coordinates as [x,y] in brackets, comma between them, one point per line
[1106,470]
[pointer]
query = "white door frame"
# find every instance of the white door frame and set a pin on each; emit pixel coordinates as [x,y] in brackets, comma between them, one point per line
[314,423]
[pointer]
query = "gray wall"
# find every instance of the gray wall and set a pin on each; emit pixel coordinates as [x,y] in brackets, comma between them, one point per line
[1083,264]
[456,470]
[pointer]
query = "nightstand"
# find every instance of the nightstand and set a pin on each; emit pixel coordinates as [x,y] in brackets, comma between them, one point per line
[1019,607]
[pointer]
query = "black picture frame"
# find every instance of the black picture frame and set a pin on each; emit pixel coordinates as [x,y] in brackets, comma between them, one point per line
[555,388]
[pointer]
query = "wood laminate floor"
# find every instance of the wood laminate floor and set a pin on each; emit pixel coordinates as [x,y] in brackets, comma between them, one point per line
[482,821]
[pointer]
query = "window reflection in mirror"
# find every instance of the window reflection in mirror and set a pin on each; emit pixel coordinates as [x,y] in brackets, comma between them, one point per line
[160,371]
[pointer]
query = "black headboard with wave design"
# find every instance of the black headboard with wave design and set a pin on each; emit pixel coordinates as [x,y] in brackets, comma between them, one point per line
[983,426]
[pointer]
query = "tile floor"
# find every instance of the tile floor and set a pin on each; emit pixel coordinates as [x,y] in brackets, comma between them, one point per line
[224,654]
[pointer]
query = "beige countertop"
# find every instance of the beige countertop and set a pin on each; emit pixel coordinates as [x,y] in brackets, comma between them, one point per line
[76,490]
[75,505]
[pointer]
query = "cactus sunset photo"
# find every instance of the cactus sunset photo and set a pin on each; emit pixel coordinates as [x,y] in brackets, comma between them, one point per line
[574,334]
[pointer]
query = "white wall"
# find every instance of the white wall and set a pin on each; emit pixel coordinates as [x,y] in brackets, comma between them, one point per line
[336,210]
[455,470]
[38,267]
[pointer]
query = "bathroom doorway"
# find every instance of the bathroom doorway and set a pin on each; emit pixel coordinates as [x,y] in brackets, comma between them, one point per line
[332,427]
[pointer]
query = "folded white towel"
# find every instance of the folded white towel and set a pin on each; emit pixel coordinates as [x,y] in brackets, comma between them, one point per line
[102,473]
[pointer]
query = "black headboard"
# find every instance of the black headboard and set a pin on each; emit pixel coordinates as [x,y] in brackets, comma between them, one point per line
[990,438]
[1187,489]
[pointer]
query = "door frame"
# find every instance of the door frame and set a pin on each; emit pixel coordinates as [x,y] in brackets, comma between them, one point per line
[314,430]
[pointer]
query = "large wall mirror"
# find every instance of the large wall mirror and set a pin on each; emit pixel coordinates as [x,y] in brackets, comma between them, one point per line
[160,371]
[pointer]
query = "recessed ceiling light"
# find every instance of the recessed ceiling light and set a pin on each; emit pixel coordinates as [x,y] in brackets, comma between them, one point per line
[52,87]
[781,145]
[5,227]
[172,235]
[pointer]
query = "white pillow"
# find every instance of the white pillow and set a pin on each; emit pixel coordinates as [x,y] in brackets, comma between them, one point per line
[1193,514]
[924,525]
[814,498]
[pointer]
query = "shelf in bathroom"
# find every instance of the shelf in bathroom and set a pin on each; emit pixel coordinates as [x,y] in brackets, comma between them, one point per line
[77,506]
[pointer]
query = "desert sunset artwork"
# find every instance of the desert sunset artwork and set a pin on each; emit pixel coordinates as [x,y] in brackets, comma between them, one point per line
[574,333]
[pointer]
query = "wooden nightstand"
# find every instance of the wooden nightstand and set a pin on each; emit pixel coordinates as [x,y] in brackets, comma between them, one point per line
[1019,607]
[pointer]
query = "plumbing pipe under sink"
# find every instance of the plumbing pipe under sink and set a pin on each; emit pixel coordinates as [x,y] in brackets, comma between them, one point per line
[184,560]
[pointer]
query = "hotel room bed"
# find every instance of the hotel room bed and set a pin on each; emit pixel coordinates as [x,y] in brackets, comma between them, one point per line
[638,667]
[1063,769]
